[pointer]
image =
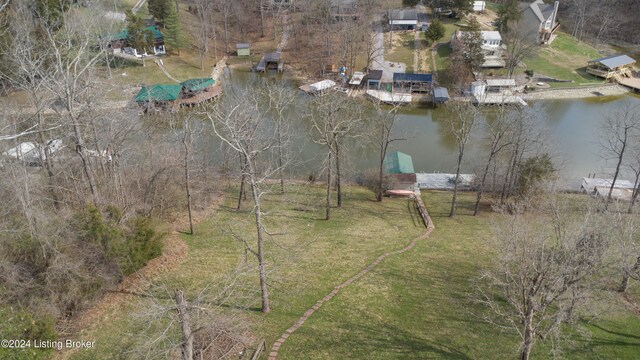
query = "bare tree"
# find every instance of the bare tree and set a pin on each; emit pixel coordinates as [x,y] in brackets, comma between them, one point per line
[497,130]
[623,229]
[547,266]
[240,121]
[206,26]
[334,119]
[519,45]
[384,125]
[619,129]
[463,117]
[281,99]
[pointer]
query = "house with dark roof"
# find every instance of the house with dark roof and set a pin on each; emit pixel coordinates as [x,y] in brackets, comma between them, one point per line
[539,21]
[410,83]
[611,66]
[122,41]
[373,79]
[403,19]
[343,9]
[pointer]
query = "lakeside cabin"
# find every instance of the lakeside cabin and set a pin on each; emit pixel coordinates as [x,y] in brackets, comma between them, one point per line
[611,66]
[171,96]
[374,79]
[121,41]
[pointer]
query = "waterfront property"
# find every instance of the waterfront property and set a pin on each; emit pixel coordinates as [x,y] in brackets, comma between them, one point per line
[611,66]
[440,95]
[122,41]
[492,47]
[538,21]
[403,19]
[598,187]
[374,79]
[172,96]
[410,83]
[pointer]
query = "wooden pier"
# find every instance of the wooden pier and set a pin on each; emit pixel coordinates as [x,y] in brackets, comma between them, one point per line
[631,83]
[213,93]
[498,99]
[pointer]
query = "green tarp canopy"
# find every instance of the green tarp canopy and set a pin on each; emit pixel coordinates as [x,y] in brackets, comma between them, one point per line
[398,163]
[159,93]
[197,84]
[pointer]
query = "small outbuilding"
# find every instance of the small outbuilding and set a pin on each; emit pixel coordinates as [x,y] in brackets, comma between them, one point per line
[374,79]
[398,163]
[243,49]
[479,6]
[611,66]
[440,95]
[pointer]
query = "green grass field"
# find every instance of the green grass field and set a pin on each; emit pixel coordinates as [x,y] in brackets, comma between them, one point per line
[412,306]
[566,58]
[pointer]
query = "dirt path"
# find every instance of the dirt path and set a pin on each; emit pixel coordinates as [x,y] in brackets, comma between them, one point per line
[175,251]
[273,355]
[416,51]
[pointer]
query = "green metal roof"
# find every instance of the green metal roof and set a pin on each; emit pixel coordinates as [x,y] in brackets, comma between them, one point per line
[159,93]
[398,163]
[124,34]
[197,84]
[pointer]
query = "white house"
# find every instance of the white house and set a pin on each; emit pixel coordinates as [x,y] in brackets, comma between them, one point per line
[492,47]
[478,6]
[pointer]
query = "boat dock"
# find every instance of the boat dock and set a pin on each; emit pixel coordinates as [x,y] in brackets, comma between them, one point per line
[437,181]
[631,83]
[204,96]
[390,98]
[270,61]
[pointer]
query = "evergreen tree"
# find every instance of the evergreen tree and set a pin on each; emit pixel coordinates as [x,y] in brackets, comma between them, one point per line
[435,31]
[160,9]
[139,38]
[51,11]
[173,33]
[472,49]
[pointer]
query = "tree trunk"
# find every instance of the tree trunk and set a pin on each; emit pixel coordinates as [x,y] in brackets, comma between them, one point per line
[615,175]
[380,174]
[261,18]
[280,167]
[635,192]
[80,150]
[186,174]
[243,180]
[328,205]
[338,184]
[258,215]
[183,314]
[624,285]
[527,340]
[482,183]
[452,213]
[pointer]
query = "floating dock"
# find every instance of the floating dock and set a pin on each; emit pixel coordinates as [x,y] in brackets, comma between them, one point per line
[438,181]
[204,96]
[390,98]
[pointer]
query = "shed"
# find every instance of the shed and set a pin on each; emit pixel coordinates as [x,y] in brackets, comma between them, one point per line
[407,82]
[374,78]
[440,95]
[398,163]
[478,6]
[243,49]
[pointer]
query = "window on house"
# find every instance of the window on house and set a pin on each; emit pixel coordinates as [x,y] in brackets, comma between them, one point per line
[547,25]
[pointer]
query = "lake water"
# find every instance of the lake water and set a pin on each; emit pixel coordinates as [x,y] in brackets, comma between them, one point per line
[572,127]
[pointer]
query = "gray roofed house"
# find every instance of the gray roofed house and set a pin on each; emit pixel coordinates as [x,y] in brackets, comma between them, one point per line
[538,22]
[403,19]
[611,66]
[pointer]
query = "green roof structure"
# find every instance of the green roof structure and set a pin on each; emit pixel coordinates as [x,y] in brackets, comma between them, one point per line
[159,93]
[124,34]
[398,163]
[197,84]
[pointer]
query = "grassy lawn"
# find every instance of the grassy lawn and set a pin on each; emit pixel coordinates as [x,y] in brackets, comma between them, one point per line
[412,306]
[566,58]
[403,46]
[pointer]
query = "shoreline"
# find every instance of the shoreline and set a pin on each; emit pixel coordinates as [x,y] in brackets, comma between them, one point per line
[591,91]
